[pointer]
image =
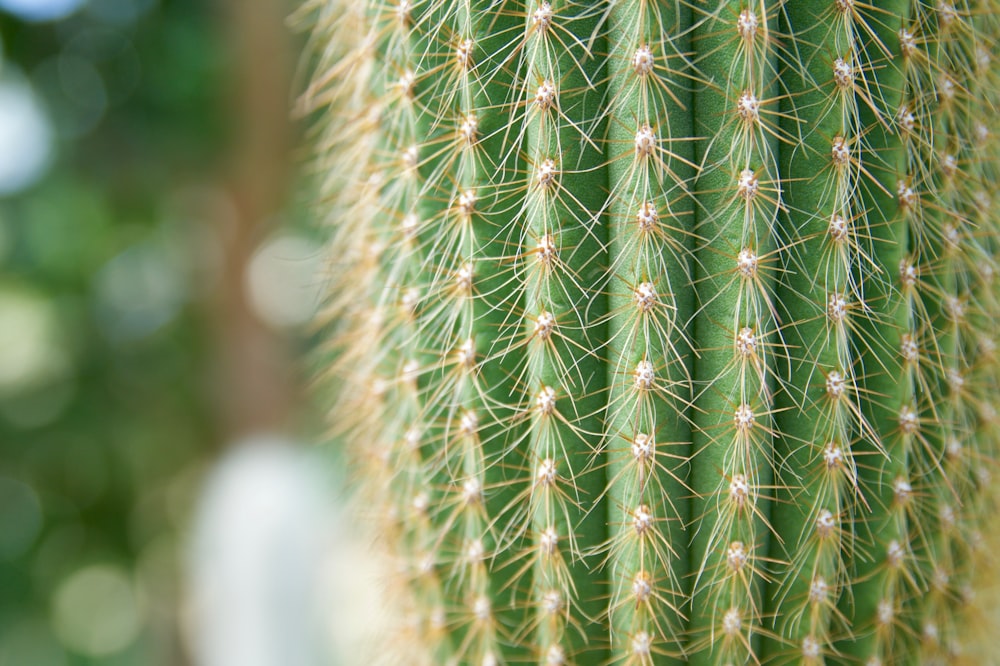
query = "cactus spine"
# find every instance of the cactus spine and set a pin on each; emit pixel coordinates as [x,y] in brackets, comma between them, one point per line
[665,330]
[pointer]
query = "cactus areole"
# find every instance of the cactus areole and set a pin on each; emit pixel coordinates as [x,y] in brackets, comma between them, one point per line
[665,331]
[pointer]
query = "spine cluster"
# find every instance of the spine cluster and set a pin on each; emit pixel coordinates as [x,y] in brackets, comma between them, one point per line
[663,332]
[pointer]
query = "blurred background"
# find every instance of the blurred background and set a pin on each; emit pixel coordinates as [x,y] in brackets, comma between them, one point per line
[157,279]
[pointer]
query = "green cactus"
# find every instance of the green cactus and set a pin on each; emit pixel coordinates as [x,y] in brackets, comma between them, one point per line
[664,331]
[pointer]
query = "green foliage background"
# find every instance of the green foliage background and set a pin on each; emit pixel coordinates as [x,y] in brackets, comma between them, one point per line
[101,455]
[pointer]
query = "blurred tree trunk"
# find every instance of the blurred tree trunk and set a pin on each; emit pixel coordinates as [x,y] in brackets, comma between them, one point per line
[255,384]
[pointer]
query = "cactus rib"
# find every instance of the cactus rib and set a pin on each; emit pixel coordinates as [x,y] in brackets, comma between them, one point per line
[664,330]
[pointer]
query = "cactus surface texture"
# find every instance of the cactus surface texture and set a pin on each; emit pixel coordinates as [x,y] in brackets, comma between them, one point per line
[665,332]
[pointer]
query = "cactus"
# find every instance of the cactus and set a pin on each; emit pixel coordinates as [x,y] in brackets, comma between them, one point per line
[663,331]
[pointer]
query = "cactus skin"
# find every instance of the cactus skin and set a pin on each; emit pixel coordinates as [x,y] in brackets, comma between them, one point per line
[664,332]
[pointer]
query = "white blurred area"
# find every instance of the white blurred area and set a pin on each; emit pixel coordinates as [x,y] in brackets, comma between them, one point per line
[41,10]
[25,136]
[275,575]
[282,282]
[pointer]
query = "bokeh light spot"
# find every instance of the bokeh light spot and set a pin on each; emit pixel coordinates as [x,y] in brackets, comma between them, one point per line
[25,137]
[139,290]
[41,10]
[283,280]
[30,353]
[96,611]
